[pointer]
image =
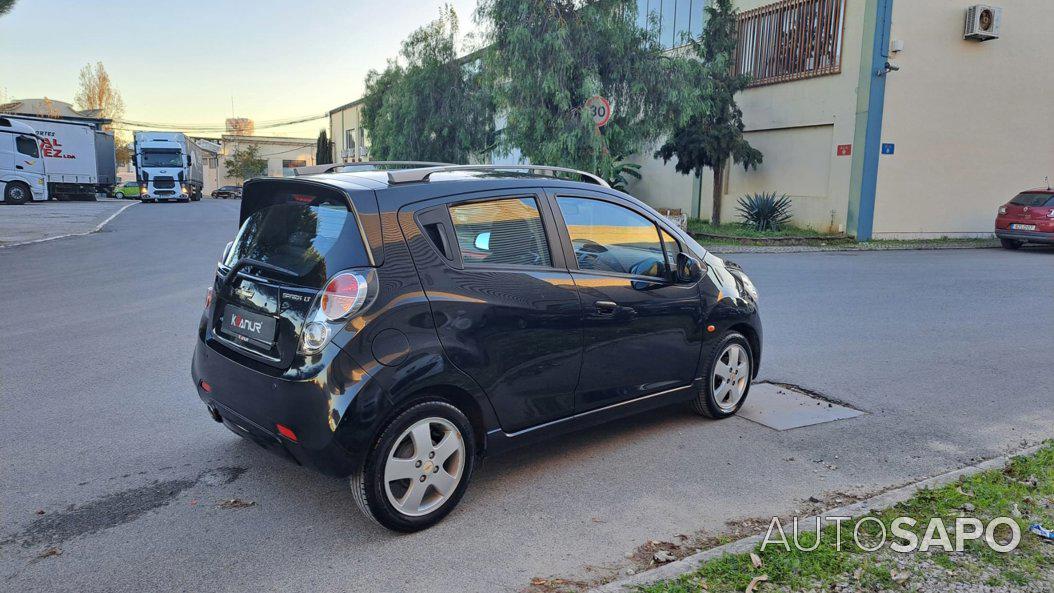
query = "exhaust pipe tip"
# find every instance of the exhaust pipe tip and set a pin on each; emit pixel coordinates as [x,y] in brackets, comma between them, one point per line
[214,413]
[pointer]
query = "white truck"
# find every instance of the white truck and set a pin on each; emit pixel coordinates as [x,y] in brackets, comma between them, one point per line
[168,166]
[72,157]
[22,175]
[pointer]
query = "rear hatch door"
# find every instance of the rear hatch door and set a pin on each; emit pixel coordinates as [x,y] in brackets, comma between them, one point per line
[294,237]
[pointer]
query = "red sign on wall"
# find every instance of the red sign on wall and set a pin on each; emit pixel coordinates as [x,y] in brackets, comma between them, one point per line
[845,150]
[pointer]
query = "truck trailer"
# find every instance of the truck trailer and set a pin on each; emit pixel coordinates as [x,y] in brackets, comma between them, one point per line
[168,166]
[71,157]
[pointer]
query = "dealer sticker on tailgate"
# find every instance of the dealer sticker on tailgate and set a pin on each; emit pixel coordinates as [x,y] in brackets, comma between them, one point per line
[247,326]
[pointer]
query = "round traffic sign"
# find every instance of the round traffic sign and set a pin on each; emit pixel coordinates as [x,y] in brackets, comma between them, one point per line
[600,109]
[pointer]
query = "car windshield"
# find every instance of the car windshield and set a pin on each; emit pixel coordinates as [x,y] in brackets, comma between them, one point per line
[1033,199]
[229,187]
[161,158]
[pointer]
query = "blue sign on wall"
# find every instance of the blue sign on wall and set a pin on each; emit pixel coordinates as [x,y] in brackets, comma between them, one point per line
[888,148]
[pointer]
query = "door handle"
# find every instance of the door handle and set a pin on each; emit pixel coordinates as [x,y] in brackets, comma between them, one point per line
[606,307]
[18,166]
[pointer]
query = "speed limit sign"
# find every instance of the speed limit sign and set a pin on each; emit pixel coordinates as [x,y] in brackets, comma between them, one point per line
[600,109]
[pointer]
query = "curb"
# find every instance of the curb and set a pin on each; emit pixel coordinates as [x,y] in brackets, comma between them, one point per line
[733,249]
[879,502]
[98,228]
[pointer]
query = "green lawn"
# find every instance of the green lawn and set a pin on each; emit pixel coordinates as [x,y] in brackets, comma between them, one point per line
[1023,491]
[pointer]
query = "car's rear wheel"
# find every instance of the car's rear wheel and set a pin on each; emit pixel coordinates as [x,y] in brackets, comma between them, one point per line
[1010,243]
[728,377]
[418,468]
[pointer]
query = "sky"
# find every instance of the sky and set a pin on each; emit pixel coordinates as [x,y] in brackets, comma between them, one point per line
[186,61]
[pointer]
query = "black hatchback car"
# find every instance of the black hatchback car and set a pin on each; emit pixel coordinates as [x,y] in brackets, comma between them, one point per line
[393,326]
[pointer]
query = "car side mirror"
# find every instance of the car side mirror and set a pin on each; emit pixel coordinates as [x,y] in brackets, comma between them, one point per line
[689,270]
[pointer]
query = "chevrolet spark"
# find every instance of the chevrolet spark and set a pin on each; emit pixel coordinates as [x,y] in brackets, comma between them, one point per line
[392,326]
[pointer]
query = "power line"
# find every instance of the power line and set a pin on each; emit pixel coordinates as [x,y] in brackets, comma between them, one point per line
[125,124]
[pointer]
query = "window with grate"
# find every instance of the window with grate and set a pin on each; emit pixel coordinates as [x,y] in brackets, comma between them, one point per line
[791,40]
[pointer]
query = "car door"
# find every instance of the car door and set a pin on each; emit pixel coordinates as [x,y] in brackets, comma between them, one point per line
[643,330]
[505,306]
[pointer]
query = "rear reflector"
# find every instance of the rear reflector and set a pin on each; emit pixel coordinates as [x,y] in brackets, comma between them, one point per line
[205,386]
[286,432]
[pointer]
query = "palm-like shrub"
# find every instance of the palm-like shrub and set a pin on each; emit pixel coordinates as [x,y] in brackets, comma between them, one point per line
[765,211]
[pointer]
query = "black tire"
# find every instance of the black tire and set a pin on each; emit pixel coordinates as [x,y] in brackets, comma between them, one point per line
[706,403]
[17,192]
[1010,244]
[368,487]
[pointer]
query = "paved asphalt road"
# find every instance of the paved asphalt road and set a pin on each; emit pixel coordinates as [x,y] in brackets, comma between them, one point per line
[948,352]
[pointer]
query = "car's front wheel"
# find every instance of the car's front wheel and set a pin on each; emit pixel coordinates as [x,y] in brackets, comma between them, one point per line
[728,377]
[418,468]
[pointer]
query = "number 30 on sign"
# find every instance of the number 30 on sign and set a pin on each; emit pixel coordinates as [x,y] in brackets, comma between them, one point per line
[600,109]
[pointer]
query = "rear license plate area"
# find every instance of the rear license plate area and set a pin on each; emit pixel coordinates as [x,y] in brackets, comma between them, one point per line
[247,327]
[1023,227]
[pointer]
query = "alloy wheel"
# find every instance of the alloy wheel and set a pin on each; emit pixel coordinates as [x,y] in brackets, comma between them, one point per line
[424,466]
[731,377]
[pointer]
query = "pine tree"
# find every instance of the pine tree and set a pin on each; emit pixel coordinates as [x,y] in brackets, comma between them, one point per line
[323,149]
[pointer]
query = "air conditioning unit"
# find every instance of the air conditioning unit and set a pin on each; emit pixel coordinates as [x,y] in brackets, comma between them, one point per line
[983,22]
[347,153]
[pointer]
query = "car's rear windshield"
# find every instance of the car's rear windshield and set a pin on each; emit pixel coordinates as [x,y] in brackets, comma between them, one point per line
[1033,199]
[312,242]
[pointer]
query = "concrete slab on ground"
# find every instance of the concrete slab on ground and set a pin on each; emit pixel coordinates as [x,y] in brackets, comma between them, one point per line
[41,221]
[782,408]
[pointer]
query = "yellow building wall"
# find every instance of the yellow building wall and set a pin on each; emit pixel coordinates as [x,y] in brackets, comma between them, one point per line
[972,123]
[797,126]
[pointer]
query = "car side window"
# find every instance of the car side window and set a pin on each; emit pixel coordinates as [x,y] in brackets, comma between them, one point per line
[610,238]
[506,231]
[27,146]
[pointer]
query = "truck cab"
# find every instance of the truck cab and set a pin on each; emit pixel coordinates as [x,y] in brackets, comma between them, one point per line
[22,176]
[165,167]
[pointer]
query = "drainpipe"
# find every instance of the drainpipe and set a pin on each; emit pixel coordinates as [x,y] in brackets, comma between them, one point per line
[867,142]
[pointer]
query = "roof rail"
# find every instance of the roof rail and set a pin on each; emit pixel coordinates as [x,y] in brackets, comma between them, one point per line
[412,175]
[320,169]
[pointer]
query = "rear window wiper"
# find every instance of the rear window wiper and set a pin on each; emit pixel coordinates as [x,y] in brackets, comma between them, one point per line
[248,261]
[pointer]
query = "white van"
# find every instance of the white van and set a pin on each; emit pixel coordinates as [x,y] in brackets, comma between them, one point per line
[21,166]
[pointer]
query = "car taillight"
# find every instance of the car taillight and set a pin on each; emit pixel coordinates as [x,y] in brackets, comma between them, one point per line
[208,297]
[343,296]
[1002,209]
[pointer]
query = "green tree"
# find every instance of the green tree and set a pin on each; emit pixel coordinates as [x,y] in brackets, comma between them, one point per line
[323,149]
[546,58]
[6,6]
[246,163]
[431,104]
[713,134]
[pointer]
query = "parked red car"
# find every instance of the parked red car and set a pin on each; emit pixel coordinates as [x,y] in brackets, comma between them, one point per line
[1028,218]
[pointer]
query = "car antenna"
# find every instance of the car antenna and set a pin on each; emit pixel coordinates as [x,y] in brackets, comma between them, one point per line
[1047,179]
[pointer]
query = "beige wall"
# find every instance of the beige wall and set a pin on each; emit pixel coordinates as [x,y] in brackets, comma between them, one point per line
[797,126]
[973,123]
[340,120]
[272,149]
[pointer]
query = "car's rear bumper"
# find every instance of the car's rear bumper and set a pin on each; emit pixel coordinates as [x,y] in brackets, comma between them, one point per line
[252,403]
[1026,236]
